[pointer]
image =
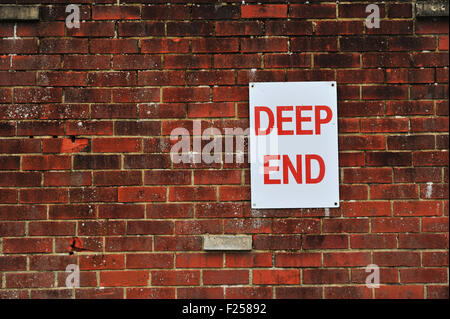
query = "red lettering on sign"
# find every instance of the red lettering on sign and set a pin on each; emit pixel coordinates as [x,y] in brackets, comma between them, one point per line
[297,172]
[281,119]
[318,179]
[287,166]
[320,121]
[268,169]
[258,110]
[300,119]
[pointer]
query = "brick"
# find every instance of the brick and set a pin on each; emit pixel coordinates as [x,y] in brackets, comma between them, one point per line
[264,11]
[222,210]
[400,292]
[30,212]
[162,45]
[210,77]
[86,62]
[51,294]
[113,46]
[200,193]
[374,241]
[248,260]
[229,28]
[197,227]
[227,277]
[37,95]
[12,229]
[163,110]
[435,224]
[199,260]
[298,292]
[93,29]
[145,261]
[166,177]
[272,242]
[115,12]
[345,226]
[51,229]
[339,27]
[13,263]
[437,292]
[134,29]
[147,161]
[85,195]
[176,278]
[43,195]
[312,11]
[96,162]
[430,158]
[362,142]
[227,61]
[368,175]
[249,292]
[348,292]
[27,245]
[161,78]
[276,277]
[313,44]
[325,276]
[18,46]
[388,159]
[264,45]
[150,227]
[289,28]
[46,162]
[414,208]
[423,275]
[193,28]
[393,191]
[199,110]
[121,211]
[433,259]
[178,243]
[394,225]
[124,278]
[324,241]
[52,46]
[248,226]
[101,228]
[72,211]
[436,241]
[165,12]
[51,263]
[430,59]
[29,280]
[215,45]
[293,226]
[185,94]
[141,194]
[436,192]
[234,193]
[408,259]
[385,59]
[97,293]
[230,93]
[360,76]
[298,260]
[200,293]
[153,293]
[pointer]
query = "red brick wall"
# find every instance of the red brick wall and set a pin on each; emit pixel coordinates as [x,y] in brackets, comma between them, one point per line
[86,179]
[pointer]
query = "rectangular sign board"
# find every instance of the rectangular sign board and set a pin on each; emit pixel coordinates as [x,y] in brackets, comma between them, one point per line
[294,145]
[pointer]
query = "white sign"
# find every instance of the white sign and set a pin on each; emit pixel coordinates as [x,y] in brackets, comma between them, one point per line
[294,145]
